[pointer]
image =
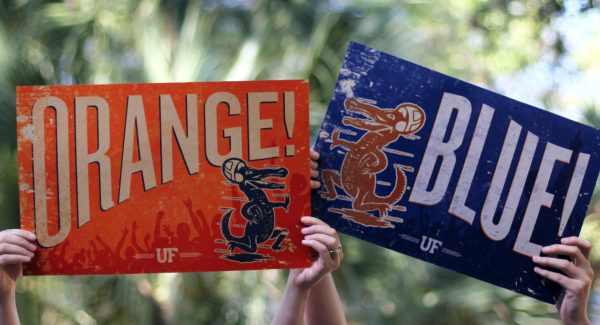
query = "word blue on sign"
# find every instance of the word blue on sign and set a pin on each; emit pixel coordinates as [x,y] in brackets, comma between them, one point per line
[451,173]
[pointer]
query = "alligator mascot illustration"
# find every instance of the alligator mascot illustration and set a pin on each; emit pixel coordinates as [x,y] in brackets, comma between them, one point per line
[365,157]
[258,211]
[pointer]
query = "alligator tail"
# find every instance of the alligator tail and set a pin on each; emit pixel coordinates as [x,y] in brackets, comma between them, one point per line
[225,225]
[400,188]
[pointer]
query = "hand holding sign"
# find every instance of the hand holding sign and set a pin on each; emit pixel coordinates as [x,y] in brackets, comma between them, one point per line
[16,247]
[323,240]
[576,277]
[314,170]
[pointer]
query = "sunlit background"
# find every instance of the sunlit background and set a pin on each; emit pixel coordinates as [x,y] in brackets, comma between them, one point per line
[544,53]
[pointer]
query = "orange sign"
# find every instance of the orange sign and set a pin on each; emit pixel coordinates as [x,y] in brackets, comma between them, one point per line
[178,177]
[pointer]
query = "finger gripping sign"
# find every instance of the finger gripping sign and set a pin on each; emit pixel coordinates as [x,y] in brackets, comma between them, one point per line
[140,178]
[450,173]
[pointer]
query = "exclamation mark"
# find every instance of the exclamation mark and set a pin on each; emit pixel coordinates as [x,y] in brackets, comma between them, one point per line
[290,118]
[574,188]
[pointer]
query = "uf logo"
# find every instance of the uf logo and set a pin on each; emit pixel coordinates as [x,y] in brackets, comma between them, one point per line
[430,244]
[167,254]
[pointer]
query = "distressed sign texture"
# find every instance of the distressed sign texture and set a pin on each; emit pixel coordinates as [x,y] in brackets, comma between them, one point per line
[139,178]
[451,173]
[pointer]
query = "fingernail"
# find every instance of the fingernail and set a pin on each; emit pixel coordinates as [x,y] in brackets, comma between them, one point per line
[535,258]
[545,248]
[536,269]
[563,240]
[304,230]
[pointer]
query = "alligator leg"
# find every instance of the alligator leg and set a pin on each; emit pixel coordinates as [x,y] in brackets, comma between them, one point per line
[368,200]
[364,202]
[281,235]
[246,243]
[330,179]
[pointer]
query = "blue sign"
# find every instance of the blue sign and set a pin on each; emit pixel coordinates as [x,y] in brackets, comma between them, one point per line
[451,173]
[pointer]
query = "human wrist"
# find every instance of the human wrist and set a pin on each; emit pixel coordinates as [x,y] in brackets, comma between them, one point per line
[297,286]
[584,321]
[8,308]
[300,289]
[580,319]
[7,295]
[7,301]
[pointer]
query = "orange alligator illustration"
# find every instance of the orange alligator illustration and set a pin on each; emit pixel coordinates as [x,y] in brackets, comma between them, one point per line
[365,158]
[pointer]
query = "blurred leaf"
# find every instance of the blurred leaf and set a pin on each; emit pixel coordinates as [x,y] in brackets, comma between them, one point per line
[115,41]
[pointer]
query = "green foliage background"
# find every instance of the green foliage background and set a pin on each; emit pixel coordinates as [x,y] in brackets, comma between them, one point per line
[542,52]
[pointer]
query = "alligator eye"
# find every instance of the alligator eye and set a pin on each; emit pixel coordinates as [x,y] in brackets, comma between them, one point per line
[390,116]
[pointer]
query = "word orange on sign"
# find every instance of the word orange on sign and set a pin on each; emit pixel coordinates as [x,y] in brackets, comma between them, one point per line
[142,178]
